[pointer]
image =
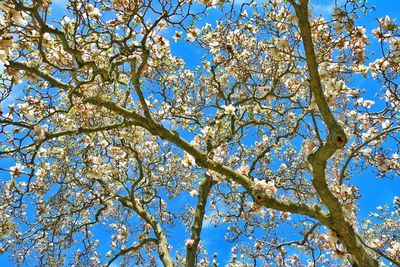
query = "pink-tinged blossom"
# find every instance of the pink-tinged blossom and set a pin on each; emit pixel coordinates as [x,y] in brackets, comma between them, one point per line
[383,163]
[376,243]
[368,103]
[193,193]
[189,243]
[394,250]
[6,47]
[19,18]
[16,171]
[267,187]
[188,161]
[93,11]
[385,124]
[309,147]
[366,152]
[286,215]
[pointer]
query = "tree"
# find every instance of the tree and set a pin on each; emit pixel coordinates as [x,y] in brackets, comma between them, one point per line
[262,131]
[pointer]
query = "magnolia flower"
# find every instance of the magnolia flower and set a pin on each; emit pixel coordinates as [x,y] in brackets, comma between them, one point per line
[348,210]
[40,131]
[104,143]
[192,34]
[368,103]
[47,39]
[244,169]
[207,131]
[66,21]
[188,161]
[95,260]
[26,111]
[229,110]
[6,227]
[93,11]
[394,251]
[268,187]
[382,163]
[309,147]
[19,18]
[385,124]
[16,170]
[193,193]
[189,242]
[41,173]
[177,36]
[366,152]
[214,46]
[376,243]
[211,2]
[286,215]
[6,45]
[360,101]
[265,90]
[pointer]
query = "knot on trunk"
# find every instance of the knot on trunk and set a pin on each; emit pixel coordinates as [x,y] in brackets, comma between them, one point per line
[338,137]
[260,197]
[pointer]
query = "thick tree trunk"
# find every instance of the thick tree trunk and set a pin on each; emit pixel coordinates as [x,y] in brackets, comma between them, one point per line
[336,139]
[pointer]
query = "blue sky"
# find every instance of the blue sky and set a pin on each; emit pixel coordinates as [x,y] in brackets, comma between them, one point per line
[374,191]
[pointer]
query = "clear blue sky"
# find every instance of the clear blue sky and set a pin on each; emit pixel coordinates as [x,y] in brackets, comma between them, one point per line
[375,192]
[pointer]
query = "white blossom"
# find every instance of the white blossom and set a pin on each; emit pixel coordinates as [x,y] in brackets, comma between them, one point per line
[16,170]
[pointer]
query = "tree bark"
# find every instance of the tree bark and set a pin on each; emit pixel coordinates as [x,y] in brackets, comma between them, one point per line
[336,140]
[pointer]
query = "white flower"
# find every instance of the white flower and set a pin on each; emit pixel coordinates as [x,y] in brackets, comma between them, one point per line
[6,227]
[188,161]
[193,193]
[368,103]
[229,110]
[376,243]
[308,147]
[265,90]
[192,34]
[207,131]
[40,131]
[16,170]
[394,250]
[3,55]
[177,36]
[360,101]
[104,143]
[385,124]
[93,11]
[19,18]
[268,187]
[366,152]
[6,47]
[259,183]
[66,21]
[189,242]
[214,47]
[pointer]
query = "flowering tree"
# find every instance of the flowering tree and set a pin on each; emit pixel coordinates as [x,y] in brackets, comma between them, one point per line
[264,131]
